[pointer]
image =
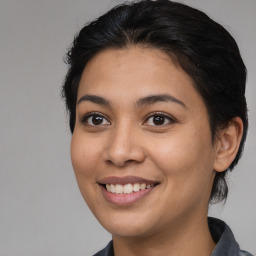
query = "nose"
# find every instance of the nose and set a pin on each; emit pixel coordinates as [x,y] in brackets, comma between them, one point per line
[124,147]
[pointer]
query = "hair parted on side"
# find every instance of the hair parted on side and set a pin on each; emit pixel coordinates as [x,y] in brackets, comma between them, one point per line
[200,46]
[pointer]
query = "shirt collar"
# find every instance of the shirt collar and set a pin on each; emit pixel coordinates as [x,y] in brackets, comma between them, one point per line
[226,244]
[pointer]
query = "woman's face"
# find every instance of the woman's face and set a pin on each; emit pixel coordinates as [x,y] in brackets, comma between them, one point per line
[142,132]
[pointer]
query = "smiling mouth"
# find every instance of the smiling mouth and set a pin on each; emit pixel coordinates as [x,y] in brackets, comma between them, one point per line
[128,188]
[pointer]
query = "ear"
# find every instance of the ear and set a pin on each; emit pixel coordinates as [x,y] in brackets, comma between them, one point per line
[227,143]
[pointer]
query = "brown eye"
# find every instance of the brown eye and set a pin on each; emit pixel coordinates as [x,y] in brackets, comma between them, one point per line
[95,120]
[159,120]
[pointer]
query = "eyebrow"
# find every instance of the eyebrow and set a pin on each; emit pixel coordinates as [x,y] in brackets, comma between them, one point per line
[95,99]
[148,100]
[151,99]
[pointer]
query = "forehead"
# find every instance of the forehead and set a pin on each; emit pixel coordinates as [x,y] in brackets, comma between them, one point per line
[135,72]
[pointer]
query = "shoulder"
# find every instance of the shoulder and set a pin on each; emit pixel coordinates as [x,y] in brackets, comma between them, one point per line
[107,251]
[225,240]
[244,253]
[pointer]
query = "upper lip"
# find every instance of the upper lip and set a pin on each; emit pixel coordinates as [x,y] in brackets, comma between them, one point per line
[125,180]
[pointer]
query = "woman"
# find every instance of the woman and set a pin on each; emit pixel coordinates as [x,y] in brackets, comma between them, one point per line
[155,94]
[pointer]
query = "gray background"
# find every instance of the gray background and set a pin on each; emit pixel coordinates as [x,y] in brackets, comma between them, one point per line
[41,210]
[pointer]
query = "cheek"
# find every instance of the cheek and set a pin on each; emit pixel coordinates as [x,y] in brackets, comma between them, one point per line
[83,158]
[187,155]
[186,163]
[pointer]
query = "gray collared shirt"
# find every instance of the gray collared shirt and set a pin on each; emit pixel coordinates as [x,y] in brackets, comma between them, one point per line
[226,244]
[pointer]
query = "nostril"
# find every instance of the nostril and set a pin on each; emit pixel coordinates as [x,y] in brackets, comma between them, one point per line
[129,161]
[120,163]
[116,163]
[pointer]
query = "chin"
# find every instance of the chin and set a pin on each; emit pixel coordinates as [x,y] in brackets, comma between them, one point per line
[128,224]
[127,230]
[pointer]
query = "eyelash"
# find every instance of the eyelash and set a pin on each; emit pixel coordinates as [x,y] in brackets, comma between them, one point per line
[171,120]
[85,118]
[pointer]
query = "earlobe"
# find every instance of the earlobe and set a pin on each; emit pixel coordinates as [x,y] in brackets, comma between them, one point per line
[227,144]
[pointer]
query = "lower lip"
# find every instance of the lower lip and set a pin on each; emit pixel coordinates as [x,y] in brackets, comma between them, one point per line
[125,199]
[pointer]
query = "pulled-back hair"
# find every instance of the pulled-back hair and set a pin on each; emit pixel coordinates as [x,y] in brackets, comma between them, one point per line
[199,45]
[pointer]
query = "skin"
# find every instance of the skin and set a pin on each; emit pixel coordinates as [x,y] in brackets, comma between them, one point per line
[179,154]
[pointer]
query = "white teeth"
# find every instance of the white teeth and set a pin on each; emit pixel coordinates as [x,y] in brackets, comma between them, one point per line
[112,188]
[119,189]
[127,188]
[136,187]
[143,186]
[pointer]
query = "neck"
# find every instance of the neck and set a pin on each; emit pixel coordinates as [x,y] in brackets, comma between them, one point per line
[191,238]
